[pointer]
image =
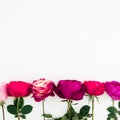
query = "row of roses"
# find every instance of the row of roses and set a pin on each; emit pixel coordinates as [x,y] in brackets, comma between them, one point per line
[66,89]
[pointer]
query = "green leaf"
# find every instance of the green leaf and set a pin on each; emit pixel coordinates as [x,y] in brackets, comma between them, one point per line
[119,104]
[58,118]
[112,109]
[26,109]
[23,116]
[119,112]
[12,109]
[112,115]
[21,102]
[84,110]
[72,110]
[70,113]
[75,117]
[109,118]
[47,115]
[86,117]
[65,118]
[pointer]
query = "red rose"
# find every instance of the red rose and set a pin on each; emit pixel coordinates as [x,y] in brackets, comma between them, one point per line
[19,88]
[95,88]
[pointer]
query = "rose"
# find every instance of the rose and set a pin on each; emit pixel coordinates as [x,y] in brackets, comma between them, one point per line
[3,97]
[18,89]
[70,89]
[3,93]
[113,89]
[95,88]
[42,88]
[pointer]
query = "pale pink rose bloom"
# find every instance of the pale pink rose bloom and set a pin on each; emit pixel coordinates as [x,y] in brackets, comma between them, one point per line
[3,93]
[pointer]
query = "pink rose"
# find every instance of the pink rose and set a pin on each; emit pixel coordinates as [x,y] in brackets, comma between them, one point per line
[42,88]
[19,89]
[113,89]
[3,93]
[70,89]
[95,88]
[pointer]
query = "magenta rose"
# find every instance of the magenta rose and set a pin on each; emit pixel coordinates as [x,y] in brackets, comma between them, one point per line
[42,88]
[113,89]
[70,89]
[95,88]
[18,89]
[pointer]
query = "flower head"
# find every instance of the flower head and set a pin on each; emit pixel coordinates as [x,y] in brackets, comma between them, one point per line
[3,93]
[42,88]
[70,89]
[95,88]
[113,89]
[18,89]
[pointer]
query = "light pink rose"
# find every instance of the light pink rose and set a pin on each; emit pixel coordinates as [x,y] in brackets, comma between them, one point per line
[3,93]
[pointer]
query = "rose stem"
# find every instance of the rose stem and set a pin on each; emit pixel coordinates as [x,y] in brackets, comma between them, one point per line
[18,108]
[69,106]
[92,107]
[113,103]
[2,106]
[43,109]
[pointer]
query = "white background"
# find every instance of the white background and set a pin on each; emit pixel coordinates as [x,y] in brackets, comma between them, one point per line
[60,39]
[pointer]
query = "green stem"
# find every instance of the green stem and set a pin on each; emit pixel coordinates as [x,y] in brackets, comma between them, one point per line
[113,104]
[43,109]
[69,106]
[3,112]
[18,108]
[92,107]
